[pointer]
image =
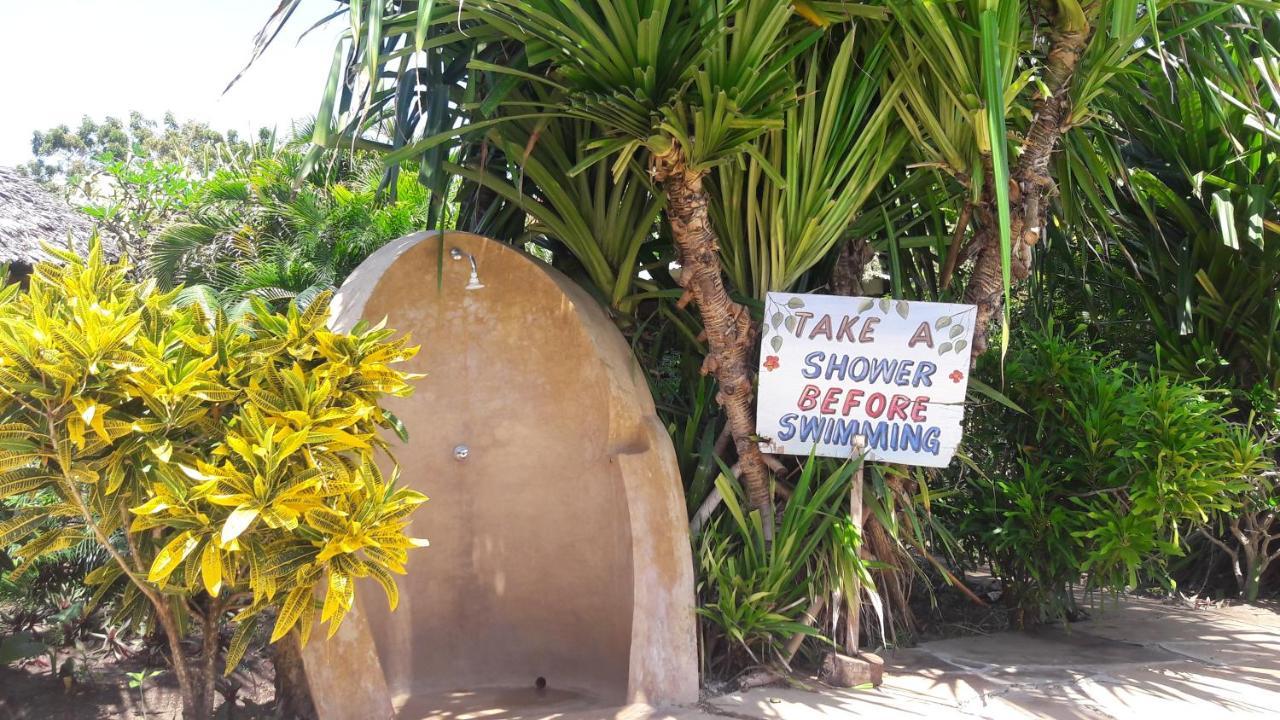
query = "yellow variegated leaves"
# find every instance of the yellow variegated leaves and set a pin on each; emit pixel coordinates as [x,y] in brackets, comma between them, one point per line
[171,556]
[238,455]
[237,522]
[239,643]
[294,604]
[89,414]
[338,599]
[211,569]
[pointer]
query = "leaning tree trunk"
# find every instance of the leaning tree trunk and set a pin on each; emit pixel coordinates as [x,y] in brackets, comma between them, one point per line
[727,324]
[1031,184]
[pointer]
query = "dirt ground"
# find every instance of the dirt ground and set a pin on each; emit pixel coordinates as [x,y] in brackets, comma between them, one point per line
[101,692]
[1136,658]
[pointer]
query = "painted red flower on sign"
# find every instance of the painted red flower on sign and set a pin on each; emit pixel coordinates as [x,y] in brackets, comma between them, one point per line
[771,363]
[956,376]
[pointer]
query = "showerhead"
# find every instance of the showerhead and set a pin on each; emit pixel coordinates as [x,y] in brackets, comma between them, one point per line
[473,283]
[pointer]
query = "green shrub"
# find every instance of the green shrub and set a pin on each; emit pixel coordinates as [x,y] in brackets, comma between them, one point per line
[755,594]
[1097,484]
[235,460]
[253,228]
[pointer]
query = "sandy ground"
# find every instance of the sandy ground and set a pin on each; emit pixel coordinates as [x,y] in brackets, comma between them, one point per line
[103,693]
[1139,659]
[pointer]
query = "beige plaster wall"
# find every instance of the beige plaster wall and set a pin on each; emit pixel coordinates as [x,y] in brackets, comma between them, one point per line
[558,547]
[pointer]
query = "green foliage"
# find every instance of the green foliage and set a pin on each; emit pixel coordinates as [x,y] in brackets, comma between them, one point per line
[791,200]
[49,585]
[136,679]
[129,198]
[1098,482]
[189,206]
[236,460]
[62,153]
[754,594]
[133,177]
[1203,233]
[139,680]
[1177,197]
[252,229]
[606,222]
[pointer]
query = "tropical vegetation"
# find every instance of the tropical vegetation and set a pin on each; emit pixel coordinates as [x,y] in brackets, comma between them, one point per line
[226,469]
[1098,178]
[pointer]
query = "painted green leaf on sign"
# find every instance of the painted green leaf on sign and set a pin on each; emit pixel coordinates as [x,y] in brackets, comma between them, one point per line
[903,308]
[776,343]
[960,345]
[884,305]
[957,330]
[795,303]
[791,323]
[941,322]
[777,319]
[865,304]
[944,348]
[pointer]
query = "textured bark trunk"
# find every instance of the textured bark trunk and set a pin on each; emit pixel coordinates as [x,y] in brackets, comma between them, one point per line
[209,658]
[851,264]
[727,324]
[1252,532]
[186,686]
[293,696]
[1032,185]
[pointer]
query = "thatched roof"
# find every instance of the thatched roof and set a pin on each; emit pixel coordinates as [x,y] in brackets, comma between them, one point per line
[29,215]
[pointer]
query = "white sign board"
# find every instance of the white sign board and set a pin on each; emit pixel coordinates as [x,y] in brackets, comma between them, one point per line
[893,371]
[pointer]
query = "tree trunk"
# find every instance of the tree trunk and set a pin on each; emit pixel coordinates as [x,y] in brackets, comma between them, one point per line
[851,264]
[727,324]
[1253,581]
[293,695]
[186,685]
[209,657]
[1252,532]
[1031,184]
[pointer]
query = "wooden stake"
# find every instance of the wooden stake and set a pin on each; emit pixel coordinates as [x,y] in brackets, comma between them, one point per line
[855,516]
[810,619]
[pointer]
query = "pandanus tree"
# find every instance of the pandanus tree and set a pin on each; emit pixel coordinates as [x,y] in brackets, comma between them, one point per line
[681,87]
[989,109]
[707,106]
[761,131]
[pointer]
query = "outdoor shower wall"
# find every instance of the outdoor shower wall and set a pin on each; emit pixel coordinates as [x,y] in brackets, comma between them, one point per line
[558,543]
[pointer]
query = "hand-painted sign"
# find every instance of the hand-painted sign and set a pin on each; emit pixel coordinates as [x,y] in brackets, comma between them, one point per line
[893,371]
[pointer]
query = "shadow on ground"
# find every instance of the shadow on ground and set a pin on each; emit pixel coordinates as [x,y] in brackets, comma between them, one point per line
[1135,659]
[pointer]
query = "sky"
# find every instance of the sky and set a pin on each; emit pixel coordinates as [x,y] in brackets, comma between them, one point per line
[68,59]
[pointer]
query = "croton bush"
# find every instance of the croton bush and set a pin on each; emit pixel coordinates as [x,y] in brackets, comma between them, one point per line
[228,466]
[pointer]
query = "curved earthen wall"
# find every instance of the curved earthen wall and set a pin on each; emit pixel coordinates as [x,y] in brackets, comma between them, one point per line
[557,546]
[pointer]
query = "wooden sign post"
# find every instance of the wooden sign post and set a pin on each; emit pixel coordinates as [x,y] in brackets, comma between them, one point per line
[855,517]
